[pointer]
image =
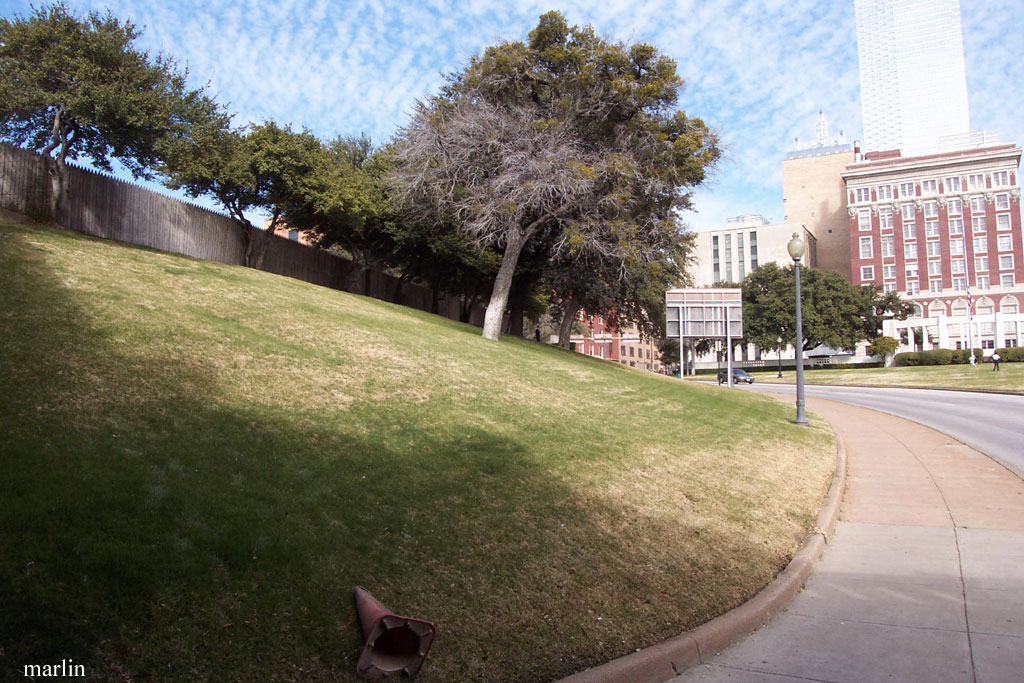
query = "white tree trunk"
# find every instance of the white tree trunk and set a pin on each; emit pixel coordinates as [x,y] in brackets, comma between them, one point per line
[502,285]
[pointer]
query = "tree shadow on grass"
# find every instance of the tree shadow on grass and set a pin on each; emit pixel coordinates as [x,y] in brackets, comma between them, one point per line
[152,531]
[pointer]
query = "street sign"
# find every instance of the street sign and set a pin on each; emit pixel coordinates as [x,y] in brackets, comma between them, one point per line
[704,313]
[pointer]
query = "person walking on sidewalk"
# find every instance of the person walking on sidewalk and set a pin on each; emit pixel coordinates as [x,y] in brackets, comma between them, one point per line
[995,361]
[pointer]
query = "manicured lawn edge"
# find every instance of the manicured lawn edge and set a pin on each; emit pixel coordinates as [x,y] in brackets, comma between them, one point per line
[670,658]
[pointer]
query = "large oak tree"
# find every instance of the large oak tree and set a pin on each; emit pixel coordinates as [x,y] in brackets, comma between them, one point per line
[75,87]
[835,312]
[570,141]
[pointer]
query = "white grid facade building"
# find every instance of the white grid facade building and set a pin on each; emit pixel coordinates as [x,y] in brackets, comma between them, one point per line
[912,76]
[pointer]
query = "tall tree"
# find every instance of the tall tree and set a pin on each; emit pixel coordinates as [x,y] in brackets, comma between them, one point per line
[75,87]
[570,140]
[634,297]
[835,312]
[267,168]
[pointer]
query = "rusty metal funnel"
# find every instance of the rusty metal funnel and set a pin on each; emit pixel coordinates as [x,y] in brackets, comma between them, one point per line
[394,644]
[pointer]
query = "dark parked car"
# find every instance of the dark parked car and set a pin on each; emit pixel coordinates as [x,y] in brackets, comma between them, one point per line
[738,375]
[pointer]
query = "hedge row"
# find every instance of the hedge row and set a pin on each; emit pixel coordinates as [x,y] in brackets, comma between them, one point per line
[958,357]
[1014,354]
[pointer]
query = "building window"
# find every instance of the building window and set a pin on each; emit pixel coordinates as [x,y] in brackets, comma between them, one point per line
[983,282]
[885,219]
[913,288]
[867,273]
[889,287]
[931,228]
[884,191]
[1000,178]
[976,181]
[1006,262]
[909,250]
[935,285]
[911,271]
[293,235]
[956,247]
[978,224]
[728,257]
[889,272]
[622,350]
[929,186]
[1006,279]
[959,284]
[931,209]
[1005,242]
[888,246]
[933,249]
[866,247]
[714,258]
[909,231]
[981,264]
[909,212]
[1003,221]
[1002,202]
[862,194]
[958,266]
[956,226]
[740,261]
[952,184]
[935,268]
[753,249]
[980,245]
[1008,304]
[907,190]
[977,205]
[864,219]
[954,207]
[632,352]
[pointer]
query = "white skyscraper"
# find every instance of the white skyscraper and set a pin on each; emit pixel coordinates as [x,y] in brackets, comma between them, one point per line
[912,79]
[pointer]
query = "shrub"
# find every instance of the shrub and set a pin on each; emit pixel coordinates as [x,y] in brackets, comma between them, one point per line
[882,346]
[908,358]
[1013,354]
[963,356]
[936,357]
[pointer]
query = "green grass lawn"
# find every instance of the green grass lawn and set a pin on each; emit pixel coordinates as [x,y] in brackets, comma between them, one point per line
[199,462]
[1010,377]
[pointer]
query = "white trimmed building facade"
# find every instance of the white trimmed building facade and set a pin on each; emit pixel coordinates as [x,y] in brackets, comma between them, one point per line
[944,231]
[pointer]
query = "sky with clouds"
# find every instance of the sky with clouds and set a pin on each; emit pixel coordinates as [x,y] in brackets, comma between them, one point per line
[758,71]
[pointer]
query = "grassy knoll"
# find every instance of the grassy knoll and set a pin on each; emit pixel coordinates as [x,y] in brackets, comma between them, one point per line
[198,462]
[981,377]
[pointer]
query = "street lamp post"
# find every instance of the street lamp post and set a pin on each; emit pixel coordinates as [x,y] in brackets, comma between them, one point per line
[796,248]
[780,357]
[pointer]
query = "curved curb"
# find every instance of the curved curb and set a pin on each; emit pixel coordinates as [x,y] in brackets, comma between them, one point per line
[661,662]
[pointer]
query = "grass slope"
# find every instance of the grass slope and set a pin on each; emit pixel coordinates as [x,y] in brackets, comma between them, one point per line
[198,463]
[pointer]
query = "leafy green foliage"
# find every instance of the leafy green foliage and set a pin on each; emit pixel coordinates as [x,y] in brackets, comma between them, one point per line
[569,140]
[271,168]
[835,312]
[76,87]
[882,346]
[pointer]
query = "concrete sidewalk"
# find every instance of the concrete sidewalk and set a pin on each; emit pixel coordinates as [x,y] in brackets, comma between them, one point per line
[923,579]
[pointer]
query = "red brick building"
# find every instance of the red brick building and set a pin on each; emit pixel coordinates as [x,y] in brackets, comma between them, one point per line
[936,228]
[626,346]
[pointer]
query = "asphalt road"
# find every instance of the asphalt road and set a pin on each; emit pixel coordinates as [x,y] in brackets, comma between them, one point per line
[991,423]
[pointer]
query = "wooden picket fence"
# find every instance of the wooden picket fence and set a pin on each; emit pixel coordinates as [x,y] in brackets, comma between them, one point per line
[103,206]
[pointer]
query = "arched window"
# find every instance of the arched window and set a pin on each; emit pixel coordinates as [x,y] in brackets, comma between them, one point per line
[960,308]
[916,311]
[1008,304]
[984,306]
[936,308]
